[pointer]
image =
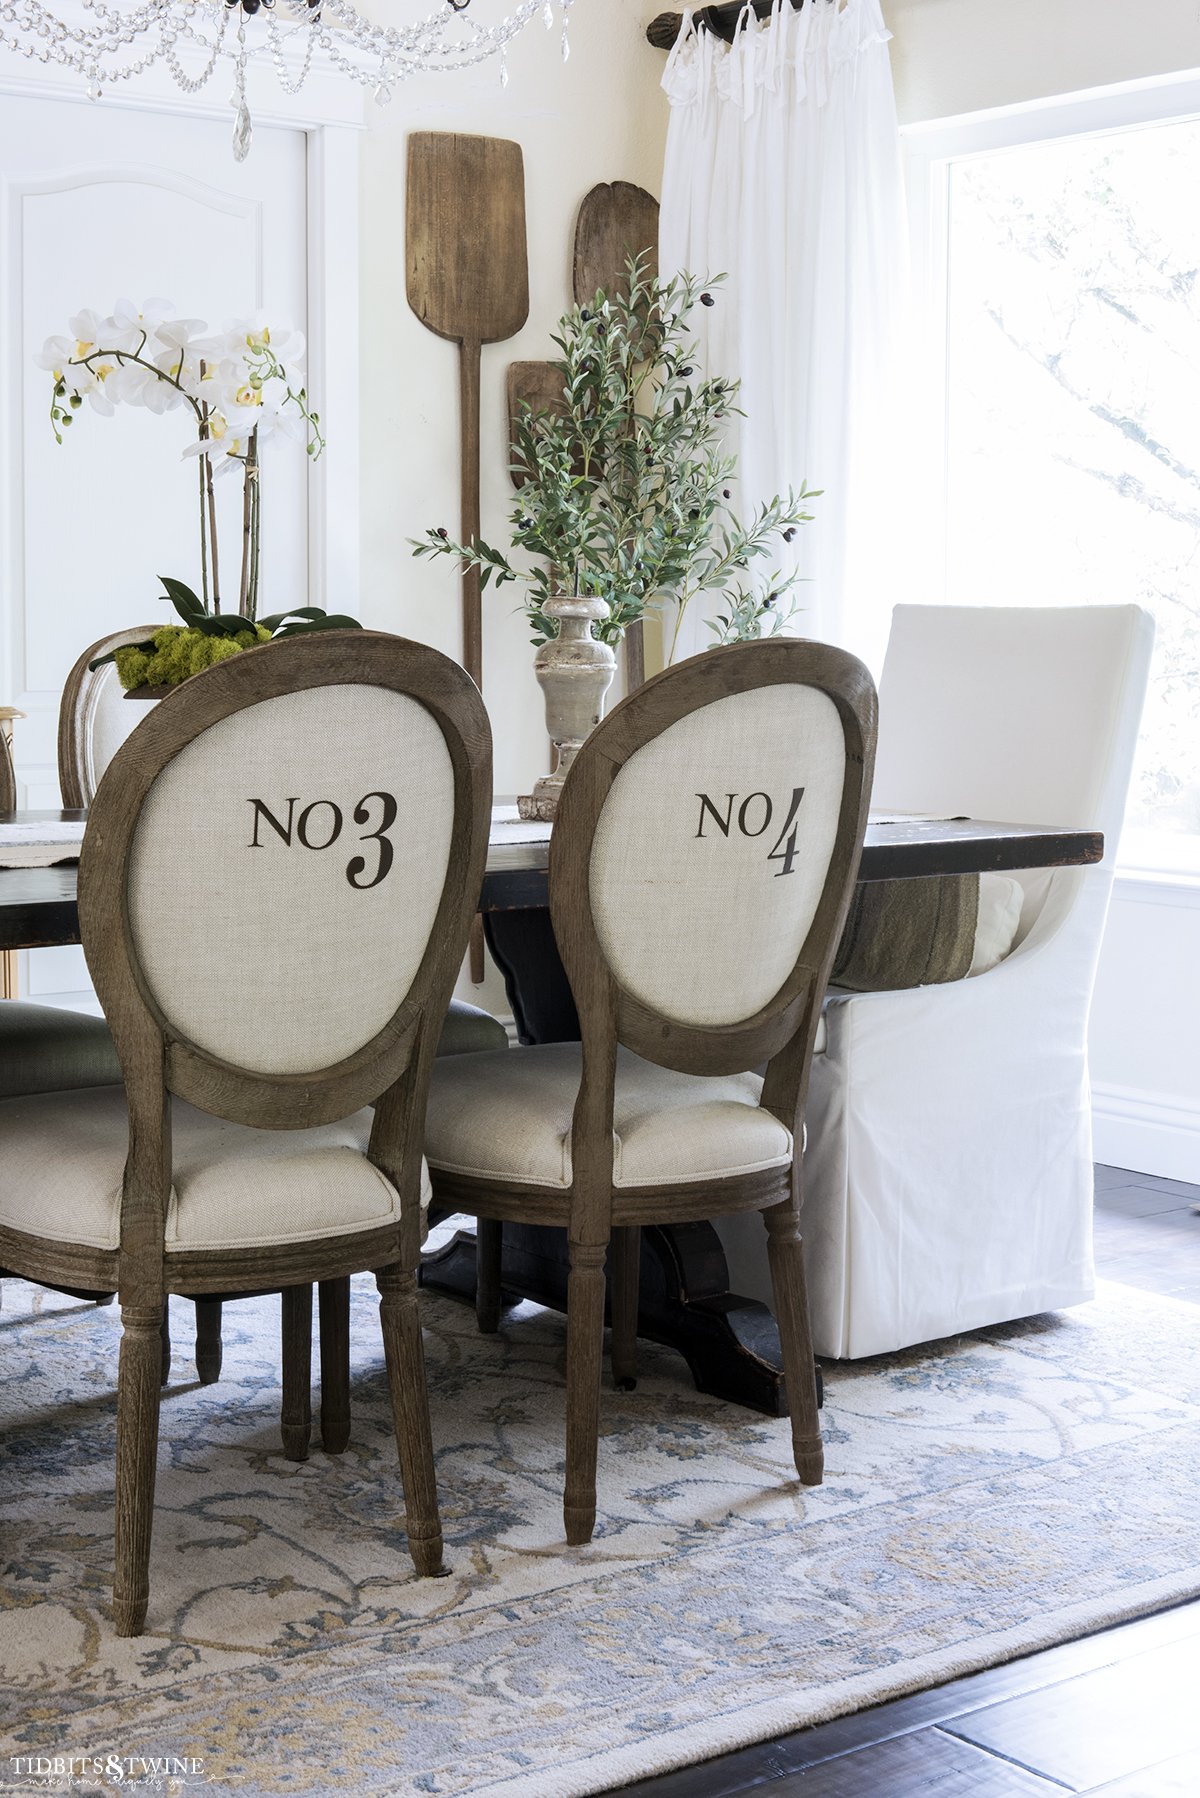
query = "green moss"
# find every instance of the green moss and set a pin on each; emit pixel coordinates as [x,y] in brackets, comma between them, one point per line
[179,652]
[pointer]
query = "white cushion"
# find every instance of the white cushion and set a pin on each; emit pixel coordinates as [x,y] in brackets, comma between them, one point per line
[63,1156]
[507,1116]
[1000,899]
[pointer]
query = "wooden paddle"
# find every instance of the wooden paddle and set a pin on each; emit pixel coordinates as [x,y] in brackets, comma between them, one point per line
[538,385]
[616,221]
[468,280]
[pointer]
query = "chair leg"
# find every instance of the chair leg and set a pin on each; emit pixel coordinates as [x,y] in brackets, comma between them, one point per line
[489,1250]
[138,1383]
[208,1341]
[400,1319]
[296,1419]
[333,1302]
[164,1342]
[625,1257]
[785,1254]
[585,1354]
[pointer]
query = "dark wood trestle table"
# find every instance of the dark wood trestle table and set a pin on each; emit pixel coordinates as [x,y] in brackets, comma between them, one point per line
[730,1343]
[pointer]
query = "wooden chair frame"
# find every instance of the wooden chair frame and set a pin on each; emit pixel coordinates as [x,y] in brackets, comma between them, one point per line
[391,1070]
[77,790]
[780,1034]
[74,715]
[8,776]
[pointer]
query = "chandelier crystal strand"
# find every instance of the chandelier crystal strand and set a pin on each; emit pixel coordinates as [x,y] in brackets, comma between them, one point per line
[104,46]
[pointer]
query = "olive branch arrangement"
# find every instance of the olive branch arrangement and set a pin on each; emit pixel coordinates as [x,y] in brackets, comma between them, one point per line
[624,489]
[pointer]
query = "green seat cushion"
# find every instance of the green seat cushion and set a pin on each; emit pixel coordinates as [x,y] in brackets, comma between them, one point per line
[469,1031]
[905,933]
[46,1050]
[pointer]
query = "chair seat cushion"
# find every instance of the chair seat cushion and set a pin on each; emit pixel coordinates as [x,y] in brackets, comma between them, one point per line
[47,1050]
[63,1156]
[507,1117]
[469,1031]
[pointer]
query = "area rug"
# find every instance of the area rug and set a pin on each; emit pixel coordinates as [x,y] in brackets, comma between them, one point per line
[983,1498]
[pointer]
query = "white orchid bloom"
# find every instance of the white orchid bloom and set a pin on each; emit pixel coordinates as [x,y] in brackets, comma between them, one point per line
[55,354]
[136,325]
[87,328]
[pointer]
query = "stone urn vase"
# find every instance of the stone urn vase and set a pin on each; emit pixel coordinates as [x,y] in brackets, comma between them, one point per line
[574,672]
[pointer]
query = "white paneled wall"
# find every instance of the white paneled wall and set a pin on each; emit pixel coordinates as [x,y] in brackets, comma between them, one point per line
[100,202]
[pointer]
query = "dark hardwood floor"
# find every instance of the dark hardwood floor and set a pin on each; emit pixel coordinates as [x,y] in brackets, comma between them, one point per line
[1115,1715]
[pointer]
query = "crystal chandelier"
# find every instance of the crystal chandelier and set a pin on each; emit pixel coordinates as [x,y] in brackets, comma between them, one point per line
[108,44]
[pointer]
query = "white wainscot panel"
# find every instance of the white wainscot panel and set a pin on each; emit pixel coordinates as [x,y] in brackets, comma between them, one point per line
[1144,1041]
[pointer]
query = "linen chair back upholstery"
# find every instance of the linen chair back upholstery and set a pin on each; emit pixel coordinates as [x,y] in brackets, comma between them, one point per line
[705,851]
[279,873]
[94,717]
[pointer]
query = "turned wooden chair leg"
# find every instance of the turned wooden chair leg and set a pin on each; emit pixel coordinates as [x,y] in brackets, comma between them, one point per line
[208,1341]
[138,1383]
[785,1254]
[489,1250]
[625,1259]
[296,1418]
[585,1354]
[164,1344]
[333,1302]
[400,1319]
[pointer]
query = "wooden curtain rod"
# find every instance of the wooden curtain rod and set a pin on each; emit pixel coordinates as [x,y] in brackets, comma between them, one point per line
[720,20]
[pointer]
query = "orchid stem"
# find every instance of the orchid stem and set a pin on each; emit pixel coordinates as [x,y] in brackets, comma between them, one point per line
[203,537]
[212,513]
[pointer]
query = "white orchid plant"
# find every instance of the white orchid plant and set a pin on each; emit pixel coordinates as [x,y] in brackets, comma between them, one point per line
[243,387]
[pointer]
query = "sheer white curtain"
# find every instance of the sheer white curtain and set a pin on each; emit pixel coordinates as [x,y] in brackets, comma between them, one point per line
[783,173]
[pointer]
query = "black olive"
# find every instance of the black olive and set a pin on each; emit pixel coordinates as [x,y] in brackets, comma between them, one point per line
[727,493]
[442,532]
[706,299]
[789,533]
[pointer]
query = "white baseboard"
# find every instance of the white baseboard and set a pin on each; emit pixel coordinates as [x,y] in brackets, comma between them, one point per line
[1146,1133]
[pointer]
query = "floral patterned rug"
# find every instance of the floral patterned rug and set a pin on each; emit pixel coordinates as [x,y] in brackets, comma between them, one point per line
[983,1498]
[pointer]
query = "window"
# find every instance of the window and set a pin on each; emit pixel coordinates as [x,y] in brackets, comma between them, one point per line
[1071,357]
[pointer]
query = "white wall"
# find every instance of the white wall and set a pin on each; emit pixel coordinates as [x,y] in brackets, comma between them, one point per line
[952,56]
[1145,1047]
[601,117]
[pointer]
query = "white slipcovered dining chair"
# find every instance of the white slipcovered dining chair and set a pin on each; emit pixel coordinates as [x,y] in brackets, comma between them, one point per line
[948,1176]
[701,866]
[292,818]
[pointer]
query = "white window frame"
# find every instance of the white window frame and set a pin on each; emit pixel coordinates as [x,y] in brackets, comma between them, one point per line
[930,149]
